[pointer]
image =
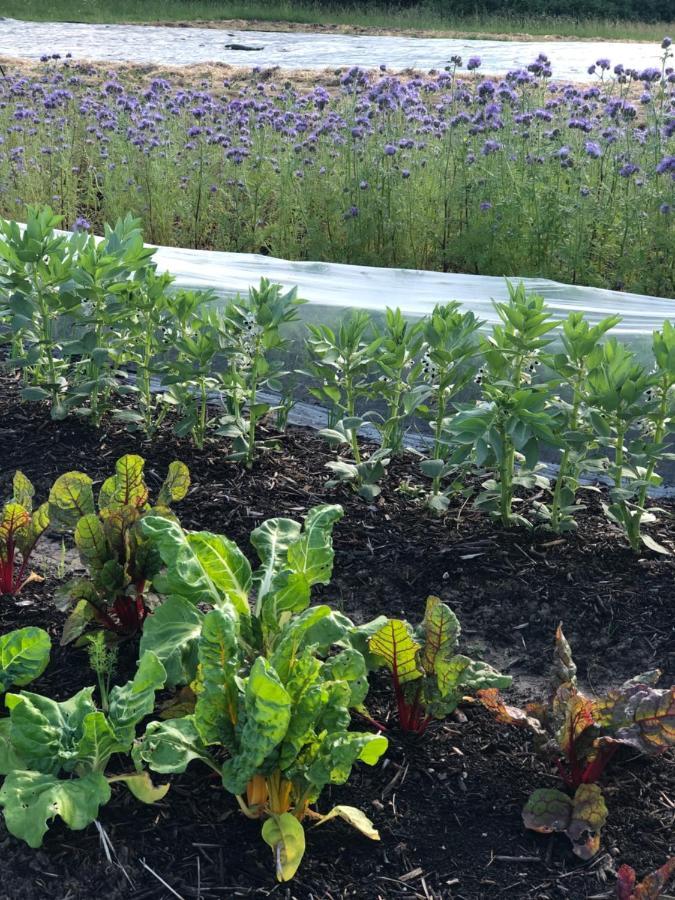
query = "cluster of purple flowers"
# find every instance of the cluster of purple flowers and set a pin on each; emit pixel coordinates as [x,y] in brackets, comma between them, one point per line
[235,150]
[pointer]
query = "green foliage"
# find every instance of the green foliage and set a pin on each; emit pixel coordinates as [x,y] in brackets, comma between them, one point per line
[581,733]
[254,335]
[55,754]
[429,677]
[268,688]
[512,420]
[21,527]
[24,655]
[120,561]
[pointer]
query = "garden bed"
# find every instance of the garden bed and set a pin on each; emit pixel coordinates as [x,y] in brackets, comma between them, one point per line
[447,805]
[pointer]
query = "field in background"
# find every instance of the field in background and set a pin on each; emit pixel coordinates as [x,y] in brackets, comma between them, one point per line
[424,17]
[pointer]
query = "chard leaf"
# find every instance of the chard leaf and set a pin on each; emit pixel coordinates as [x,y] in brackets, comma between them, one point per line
[28,537]
[136,699]
[286,836]
[143,789]
[216,710]
[338,753]
[91,542]
[15,519]
[350,666]
[168,747]
[650,888]
[266,716]
[98,743]
[32,799]
[77,621]
[130,488]
[171,633]
[271,541]
[353,817]
[295,636]
[564,670]
[395,644]
[441,632]
[581,818]
[308,699]
[176,484]
[460,675]
[508,715]
[9,758]
[22,491]
[24,655]
[639,716]
[70,498]
[44,733]
[202,567]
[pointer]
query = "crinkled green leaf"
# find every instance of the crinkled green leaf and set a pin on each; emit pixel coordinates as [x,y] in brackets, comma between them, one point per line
[22,491]
[271,541]
[203,569]
[135,700]
[70,498]
[441,632]
[91,541]
[459,676]
[312,555]
[32,799]
[286,836]
[267,713]
[44,732]
[9,758]
[176,484]
[168,747]
[350,666]
[217,699]
[298,633]
[339,752]
[395,644]
[640,716]
[171,632]
[98,743]
[24,655]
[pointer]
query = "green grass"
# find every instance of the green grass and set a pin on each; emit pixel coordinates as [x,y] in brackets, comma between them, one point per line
[423,17]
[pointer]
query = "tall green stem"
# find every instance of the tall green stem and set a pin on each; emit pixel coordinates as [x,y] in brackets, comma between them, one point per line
[659,434]
[564,462]
[351,409]
[438,430]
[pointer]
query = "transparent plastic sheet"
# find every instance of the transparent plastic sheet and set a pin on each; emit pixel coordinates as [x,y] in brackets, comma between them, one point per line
[183,46]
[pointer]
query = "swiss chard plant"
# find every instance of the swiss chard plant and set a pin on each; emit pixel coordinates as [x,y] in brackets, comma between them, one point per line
[633,414]
[267,687]
[450,345]
[580,354]
[430,678]
[54,755]
[580,734]
[503,433]
[21,527]
[255,325]
[120,561]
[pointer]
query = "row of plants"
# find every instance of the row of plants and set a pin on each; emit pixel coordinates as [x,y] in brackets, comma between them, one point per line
[258,685]
[94,330]
[448,171]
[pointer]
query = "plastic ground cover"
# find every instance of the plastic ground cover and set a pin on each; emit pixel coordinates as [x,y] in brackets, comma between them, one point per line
[183,46]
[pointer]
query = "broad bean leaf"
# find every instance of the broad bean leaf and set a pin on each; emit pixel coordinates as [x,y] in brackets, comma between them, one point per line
[33,799]
[24,655]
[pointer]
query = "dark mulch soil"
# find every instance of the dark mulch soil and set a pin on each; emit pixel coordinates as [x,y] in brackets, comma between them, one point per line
[448,805]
